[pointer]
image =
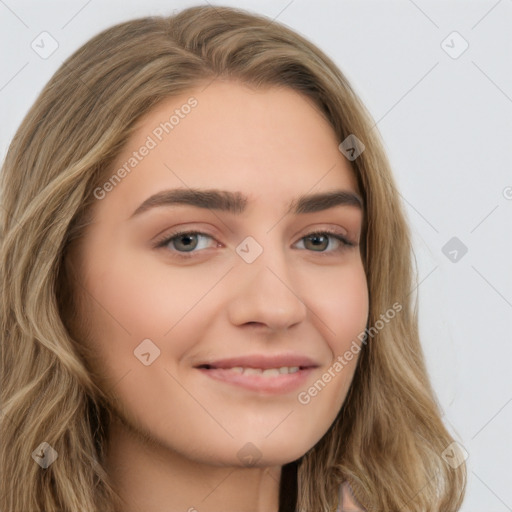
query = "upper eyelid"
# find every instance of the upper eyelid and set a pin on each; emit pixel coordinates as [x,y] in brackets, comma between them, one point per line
[324,227]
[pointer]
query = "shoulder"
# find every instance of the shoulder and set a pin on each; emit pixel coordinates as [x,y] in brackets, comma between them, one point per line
[348,502]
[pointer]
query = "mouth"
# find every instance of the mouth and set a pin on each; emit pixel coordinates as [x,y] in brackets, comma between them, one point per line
[269,375]
[265,372]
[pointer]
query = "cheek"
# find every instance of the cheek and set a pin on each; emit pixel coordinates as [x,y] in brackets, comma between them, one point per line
[131,301]
[341,301]
[342,304]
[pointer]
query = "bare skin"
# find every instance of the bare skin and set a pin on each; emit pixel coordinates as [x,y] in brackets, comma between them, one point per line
[187,438]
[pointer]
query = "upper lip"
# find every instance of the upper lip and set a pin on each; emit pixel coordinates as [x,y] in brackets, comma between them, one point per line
[261,361]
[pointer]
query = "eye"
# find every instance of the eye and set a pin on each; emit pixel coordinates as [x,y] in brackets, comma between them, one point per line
[182,242]
[319,241]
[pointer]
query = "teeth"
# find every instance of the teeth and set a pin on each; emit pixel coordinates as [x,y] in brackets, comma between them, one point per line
[269,372]
[253,371]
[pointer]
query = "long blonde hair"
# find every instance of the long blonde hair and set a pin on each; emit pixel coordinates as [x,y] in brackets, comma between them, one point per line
[388,437]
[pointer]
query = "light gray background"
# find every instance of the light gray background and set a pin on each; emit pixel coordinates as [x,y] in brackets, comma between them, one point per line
[447,126]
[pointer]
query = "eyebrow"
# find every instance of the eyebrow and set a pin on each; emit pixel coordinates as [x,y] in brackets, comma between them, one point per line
[236,202]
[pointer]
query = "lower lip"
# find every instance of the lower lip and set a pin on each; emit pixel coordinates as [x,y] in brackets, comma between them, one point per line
[282,383]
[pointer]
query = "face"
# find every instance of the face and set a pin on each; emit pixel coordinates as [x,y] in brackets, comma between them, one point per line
[217,318]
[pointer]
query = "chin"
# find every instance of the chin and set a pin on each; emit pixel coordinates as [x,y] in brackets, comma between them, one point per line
[260,454]
[273,452]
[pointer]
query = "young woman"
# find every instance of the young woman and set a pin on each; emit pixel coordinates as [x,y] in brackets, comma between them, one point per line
[206,286]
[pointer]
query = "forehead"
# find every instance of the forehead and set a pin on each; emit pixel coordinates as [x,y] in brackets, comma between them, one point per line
[227,135]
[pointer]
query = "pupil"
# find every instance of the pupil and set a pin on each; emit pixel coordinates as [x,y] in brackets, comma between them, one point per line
[189,241]
[317,239]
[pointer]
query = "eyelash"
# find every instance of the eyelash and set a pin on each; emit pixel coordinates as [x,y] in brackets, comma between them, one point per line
[163,242]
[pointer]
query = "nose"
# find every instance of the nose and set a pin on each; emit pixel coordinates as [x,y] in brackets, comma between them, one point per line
[264,294]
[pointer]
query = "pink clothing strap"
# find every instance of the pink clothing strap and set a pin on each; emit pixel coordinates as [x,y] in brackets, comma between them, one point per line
[347,501]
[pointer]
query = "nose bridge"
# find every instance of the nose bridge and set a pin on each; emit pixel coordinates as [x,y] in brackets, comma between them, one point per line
[265,291]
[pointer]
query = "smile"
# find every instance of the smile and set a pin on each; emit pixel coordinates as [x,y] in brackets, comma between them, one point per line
[266,379]
[265,372]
